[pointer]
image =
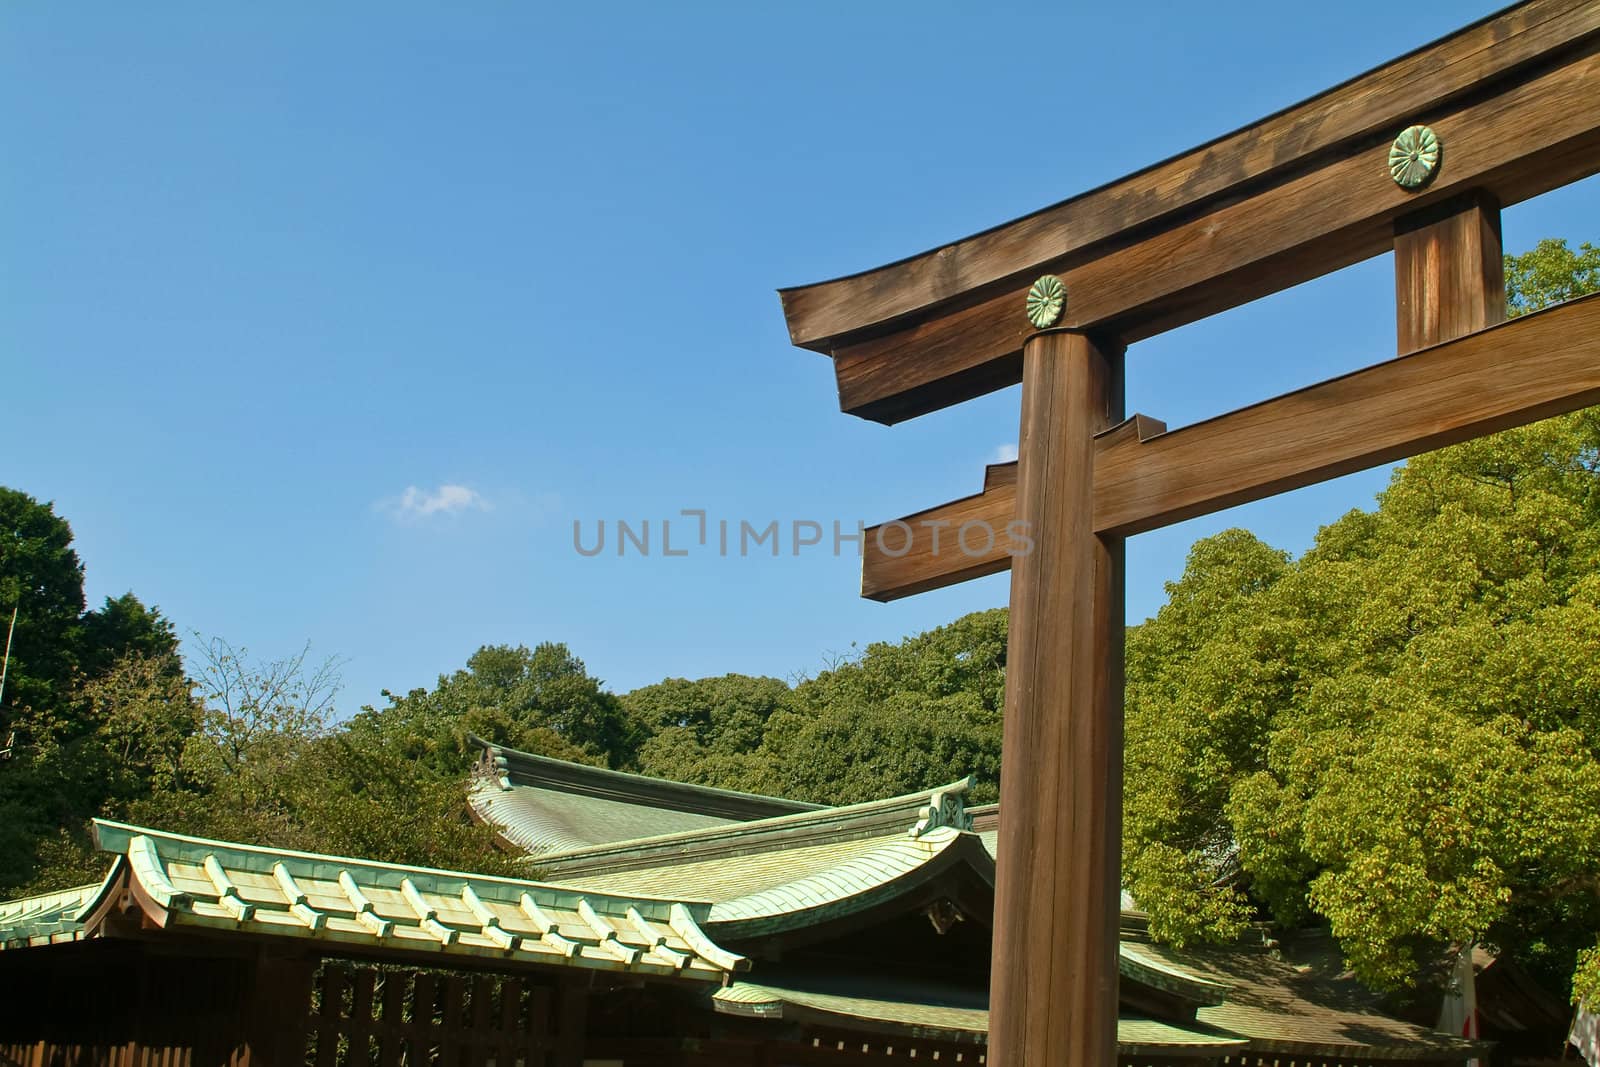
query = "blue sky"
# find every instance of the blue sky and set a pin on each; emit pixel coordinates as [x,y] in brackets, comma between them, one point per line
[325,322]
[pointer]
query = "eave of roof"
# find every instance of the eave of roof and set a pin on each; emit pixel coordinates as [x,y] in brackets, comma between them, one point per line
[930,1012]
[226,888]
[516,767]
[46,918]
[906,815]
[536,821]
[539,804]
[874,876]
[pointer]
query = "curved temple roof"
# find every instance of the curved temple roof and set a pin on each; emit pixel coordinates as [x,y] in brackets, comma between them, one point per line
[46,918]
[212,885]
[539,804]
[791,871]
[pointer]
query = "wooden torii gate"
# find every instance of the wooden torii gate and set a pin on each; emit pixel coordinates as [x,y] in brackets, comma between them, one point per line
[1416,157]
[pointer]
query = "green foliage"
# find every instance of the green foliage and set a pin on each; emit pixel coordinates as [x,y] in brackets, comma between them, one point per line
[42,579]
[65,667]
[1586,980]
[1399,733]
[910,741]
[123,626]
[356,781]
[902,717]
[1203,680]
[264,763]
[709,731]
[542,701]
[1550,273]
[899,718]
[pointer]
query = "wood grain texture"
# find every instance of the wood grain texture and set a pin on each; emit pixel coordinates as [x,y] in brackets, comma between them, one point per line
[1381,101]
[1053,992]
[1449,272]
[936,553]
[1518,372]
[1510,374]
[1532,133]
[928,551]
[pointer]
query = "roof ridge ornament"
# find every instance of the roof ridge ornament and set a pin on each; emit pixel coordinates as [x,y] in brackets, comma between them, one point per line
[491,761]
[946,807]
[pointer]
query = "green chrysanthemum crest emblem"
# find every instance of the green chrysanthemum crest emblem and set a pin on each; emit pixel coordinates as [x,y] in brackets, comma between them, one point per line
[1414,157]
[1047,299]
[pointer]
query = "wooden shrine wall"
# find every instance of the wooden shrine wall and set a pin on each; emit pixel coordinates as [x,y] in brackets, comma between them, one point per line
[370,1017]
[120,1004]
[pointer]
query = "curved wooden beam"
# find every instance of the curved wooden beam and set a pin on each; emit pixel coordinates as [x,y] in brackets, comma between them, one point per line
[822,313]
[1293,197]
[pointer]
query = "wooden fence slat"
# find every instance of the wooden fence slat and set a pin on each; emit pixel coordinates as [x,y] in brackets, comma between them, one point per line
[325,1023]
[424,1003]
[537,1034]
[393,1028]
[289,1011]
[506,1052]
[570,1026]
[451,1040]
[481,1036]
[362,1025]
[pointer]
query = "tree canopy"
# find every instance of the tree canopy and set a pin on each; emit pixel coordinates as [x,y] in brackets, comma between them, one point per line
[41,579]
[1398,733]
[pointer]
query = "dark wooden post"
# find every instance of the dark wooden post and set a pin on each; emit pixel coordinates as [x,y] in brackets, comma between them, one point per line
[1053,992]
[572,1025]
[1449,272]
[277,1010]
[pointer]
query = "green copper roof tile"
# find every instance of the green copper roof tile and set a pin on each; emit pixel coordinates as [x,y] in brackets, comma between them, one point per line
[928,1011]
[905,816]
[540,804]
[227,888]
[46,917]
[840,880]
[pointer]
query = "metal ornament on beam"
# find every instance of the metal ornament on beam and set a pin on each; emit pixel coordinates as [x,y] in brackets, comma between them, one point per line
[1414,157]
[1047,302]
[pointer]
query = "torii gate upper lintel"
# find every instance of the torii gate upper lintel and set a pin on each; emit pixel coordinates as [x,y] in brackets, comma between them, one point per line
[1415,157]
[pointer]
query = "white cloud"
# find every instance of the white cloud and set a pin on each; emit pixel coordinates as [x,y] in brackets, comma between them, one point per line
[1003,454]
[416,504]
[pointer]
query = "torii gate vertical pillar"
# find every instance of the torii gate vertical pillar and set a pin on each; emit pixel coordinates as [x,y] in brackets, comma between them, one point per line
[1053,988]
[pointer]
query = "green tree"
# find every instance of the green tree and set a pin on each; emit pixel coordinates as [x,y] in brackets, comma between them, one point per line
[706,731]
[1550,273]
[258,756]
[243,764]
[64,662]
[847,753]
[902,717]
[109,724]
[144,714]
[541,700]
[123,626]
[368,790]
[41,578]
[1399,732]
